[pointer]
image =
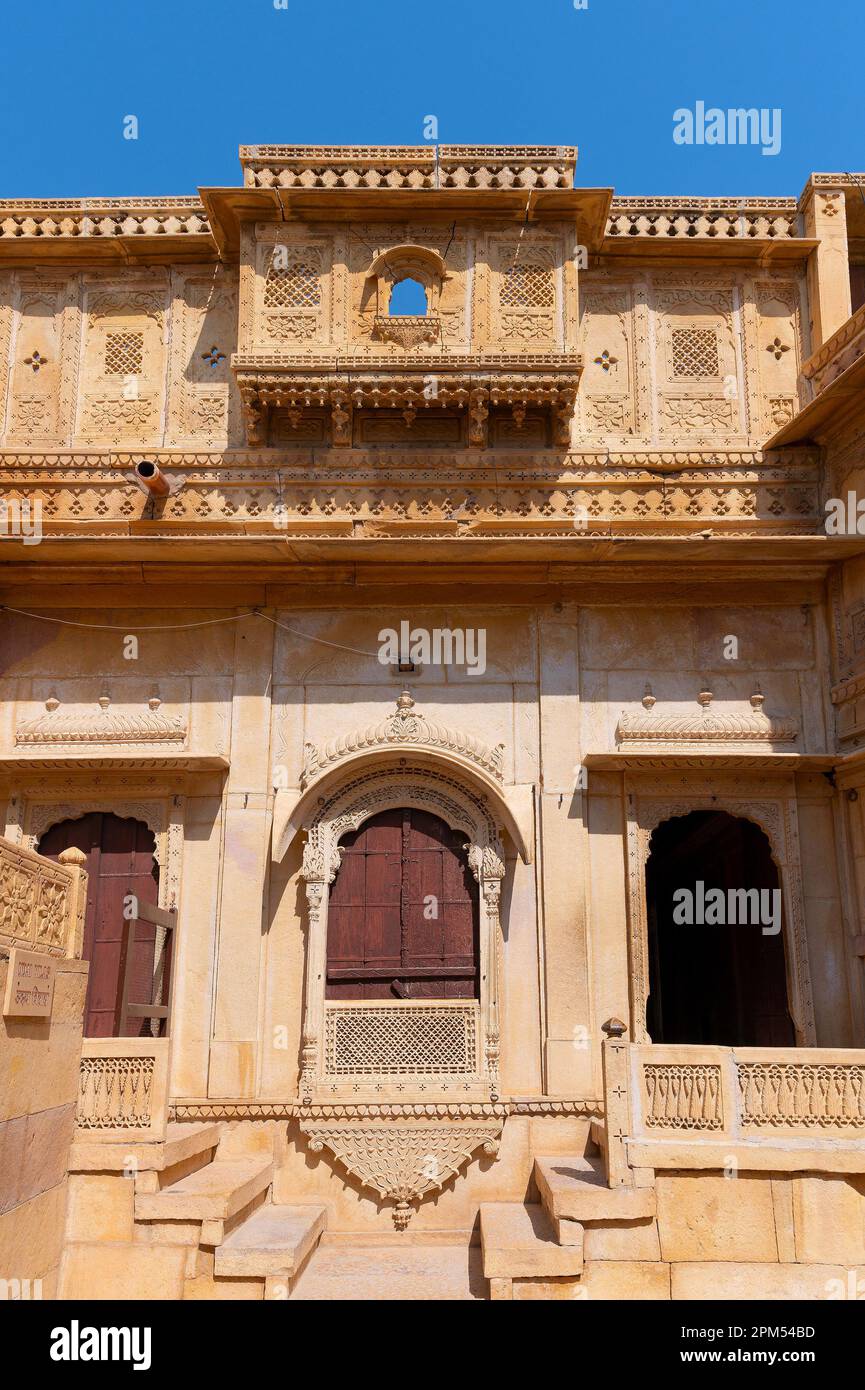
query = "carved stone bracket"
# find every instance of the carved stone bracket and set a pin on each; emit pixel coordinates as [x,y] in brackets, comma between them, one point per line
[403,1160]
[407,331]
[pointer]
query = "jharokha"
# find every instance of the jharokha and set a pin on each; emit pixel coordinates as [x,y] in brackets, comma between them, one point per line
[359,970]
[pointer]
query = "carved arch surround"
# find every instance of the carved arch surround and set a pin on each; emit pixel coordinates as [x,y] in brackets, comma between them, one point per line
[773,810]
[164,815]
[353,800]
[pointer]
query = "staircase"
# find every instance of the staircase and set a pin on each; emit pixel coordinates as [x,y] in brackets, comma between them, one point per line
[179,1220]
[186,1218]
[537,1250]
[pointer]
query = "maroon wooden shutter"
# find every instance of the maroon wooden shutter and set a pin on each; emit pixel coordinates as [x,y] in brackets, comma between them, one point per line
[119,861]
[403,912]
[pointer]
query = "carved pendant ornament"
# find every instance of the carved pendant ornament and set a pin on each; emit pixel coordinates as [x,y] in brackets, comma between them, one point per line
[403,1160]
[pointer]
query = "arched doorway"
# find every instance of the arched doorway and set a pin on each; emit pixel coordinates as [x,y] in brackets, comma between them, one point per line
[717,969]
[403,918]
[120,861]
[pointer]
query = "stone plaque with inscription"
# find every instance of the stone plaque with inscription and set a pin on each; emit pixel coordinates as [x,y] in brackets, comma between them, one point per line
[29,985]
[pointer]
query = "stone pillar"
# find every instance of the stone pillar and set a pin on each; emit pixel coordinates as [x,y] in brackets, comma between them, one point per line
[825,217]
[564,865]
[247,816]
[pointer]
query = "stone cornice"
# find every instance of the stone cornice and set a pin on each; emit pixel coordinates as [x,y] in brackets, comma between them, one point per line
[236,1109]
[224,464]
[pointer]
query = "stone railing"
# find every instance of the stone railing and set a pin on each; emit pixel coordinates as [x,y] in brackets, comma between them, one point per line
[723,219]
[122,1091]
[102,219]
[751,1091]
[408,166]
[41,902]
[675,1106]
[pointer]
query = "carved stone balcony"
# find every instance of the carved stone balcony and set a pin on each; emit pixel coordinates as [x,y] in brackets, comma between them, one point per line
[407,330]
[470,384]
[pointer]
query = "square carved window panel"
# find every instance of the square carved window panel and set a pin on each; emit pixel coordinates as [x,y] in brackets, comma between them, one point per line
[528,287]
[124,354]
[695,353]
[293,287]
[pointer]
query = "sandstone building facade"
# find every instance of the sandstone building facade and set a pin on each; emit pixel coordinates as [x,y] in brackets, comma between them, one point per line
[386,997]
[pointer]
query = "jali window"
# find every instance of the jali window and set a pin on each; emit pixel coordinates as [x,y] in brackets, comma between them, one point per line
[695,353]
[292,287]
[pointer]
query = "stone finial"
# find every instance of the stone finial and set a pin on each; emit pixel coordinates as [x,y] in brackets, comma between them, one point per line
[52,703]
[405,702]
[705,698]
[757,698]
[73,856]
[614,1028]
[648,701]
[104,701]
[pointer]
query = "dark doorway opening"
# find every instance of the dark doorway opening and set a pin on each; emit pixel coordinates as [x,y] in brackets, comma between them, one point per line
[403,912]
[120,862]
[722,983]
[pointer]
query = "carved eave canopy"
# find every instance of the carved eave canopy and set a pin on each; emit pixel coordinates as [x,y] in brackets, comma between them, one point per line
[766,230]
[122,231]
[337,183]
[470,383]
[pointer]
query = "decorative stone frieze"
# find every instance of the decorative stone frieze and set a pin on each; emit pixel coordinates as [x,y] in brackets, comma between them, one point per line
[711,726]
[467,383]
[101,726]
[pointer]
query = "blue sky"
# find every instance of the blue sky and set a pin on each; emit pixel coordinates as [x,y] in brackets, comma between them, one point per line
[204,77]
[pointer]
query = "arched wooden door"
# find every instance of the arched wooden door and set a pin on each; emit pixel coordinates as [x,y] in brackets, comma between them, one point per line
[403,912]
[119,861]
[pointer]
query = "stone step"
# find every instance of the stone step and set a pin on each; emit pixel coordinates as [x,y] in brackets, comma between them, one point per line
[91,1154]
[273,1240]
[518,1242]
[367,1274]
[574,1188]
[214,1193]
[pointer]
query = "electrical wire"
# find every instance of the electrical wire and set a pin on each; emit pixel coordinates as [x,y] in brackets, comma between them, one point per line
[186,627]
